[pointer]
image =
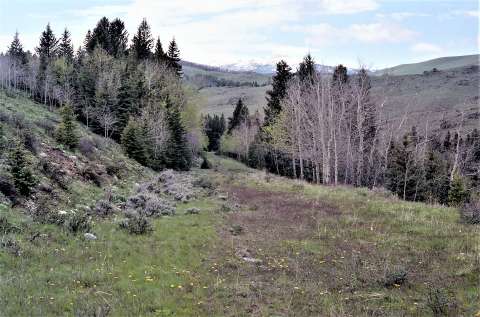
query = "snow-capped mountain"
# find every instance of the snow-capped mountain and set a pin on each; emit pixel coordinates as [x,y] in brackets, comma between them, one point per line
[269,68]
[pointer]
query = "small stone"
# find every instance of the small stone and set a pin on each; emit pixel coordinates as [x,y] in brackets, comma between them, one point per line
[90,236]
[222,197]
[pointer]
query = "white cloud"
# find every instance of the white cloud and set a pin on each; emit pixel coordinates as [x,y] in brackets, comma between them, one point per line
[401,16]
[426,49]
[326,34]
[348,6]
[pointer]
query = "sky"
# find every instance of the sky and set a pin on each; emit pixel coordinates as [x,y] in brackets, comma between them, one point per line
[371,33]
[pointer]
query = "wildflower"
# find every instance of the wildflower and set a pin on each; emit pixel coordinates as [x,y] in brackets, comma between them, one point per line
[172,286]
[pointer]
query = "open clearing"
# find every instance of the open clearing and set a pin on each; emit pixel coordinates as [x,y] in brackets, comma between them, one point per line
[261,246]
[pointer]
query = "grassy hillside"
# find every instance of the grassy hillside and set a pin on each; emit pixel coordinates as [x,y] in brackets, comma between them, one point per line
[443,63]
[256,244]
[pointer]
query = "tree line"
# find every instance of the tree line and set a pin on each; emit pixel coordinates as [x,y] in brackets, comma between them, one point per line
[130,93]
[329,129]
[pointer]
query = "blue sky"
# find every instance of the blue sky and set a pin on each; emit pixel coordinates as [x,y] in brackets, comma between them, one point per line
[375,33]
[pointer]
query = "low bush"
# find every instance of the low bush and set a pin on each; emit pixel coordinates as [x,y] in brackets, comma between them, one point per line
[89,174]
[86,147]
[78,222]
[397,276]
[204,182]
[136,225]
[54,172]
[7,188]
[470,212]
[103,208]
[440,302]
[11,246]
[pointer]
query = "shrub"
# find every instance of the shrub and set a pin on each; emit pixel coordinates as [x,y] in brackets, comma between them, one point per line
[54,172]
[30,140]
[204,182]
[7,188]
[155,206]
[471,212]
[46,125]
[86,147]
[78,222]
[396,277]
[136,225]
[11,246]
[115,169]
[104,208]
[89,174]
[236,230]
[458,193]
[6,226]
[440,302]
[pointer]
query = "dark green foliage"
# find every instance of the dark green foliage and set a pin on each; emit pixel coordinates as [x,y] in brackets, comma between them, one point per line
[437,183]
[137,225]
[133,141]
[21,170]
[278,92]
[440,302]
[340,74]
[173,55]
[118,38]
[214,127]
[99,37]
[15,50]
[470,212]
[159,54]
[142,42]
[178,153]
[65,47]
[78,222]
[129,93]
[306,69]
[257,153]
[395,277]
[240,115]
[205,163]
[400,174]
[458,193]
[66,133]
[47,50]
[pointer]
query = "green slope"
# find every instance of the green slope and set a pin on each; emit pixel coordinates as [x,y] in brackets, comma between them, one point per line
[442,63]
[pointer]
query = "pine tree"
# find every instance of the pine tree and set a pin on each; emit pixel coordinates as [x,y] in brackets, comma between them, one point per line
[118,38]
[306,69]
[173,55]
[240,115]
[133,141]
[458,193]
[126,105]
[23,177]
[100,36]
[142,42]
[178,154]
[340,75]
[15,50]
[278,92]
[47,51]
[65,47]
[437,180]
[66,133]
[214,128]
[159,54]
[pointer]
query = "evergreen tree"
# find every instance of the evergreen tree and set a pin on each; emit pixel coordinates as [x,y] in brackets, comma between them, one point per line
[118,38]
[306,69]
[100,36]
[437,182]
[214,128]
[159,54]
[133,141]
[65,47]
[20,168]
[66,131]
[173,55]
[126,103]
[142,41]
[178,154]
[447,142]
[458,193]
[15,50]
[400,176]
[240,115]
[278,92]
[340,74]
[47,51]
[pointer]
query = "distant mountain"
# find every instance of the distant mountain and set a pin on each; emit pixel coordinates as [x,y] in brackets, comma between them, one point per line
[443,63]
[269,69]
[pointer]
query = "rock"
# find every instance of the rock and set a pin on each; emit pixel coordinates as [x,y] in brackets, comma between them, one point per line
[246,256]
[90,236]
[192,211]
[222,197]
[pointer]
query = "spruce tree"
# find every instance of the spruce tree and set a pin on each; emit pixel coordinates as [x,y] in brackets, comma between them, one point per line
[47,51]
[178,153]
[340,75]
[65,47]
[214,128]
[20,168]
[15,50]
[66,133]
[173,55]
[278,92]
[127,102]
[133,141]
[142,42]
[458,193]
[118,38]
[306,69]
[240,115]
[159,54]
[100,36]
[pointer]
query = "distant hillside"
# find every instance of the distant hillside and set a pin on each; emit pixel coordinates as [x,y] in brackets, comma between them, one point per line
[443,63]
